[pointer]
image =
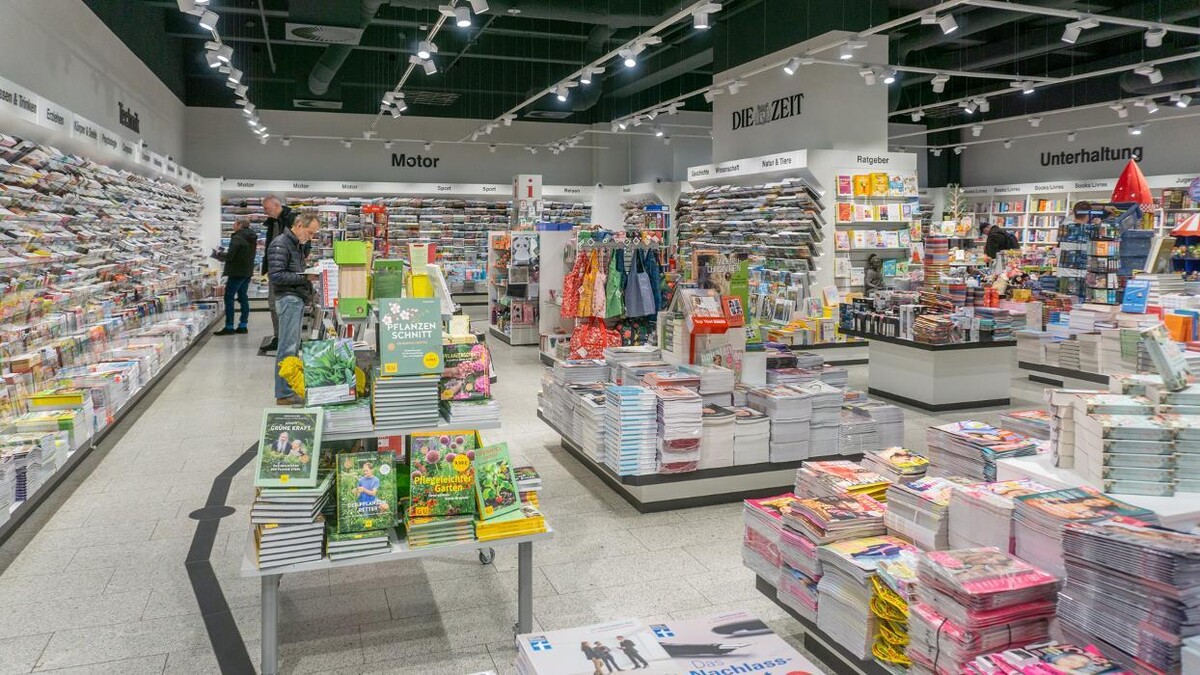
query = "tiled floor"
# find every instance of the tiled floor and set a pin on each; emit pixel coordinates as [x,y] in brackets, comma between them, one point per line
[101,586]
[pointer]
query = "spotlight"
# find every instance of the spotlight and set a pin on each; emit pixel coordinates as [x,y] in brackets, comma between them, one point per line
[857,42]
[700,21]
[240,90]
[1154,36]
[958,150]
[792,66]
[479,6]
[916,116]
[658,132]
[508,119]
[622,125]
[491,147]
[213,60]
[387,145]
[224,53]
[983,104]
[248,110]
[347,144]
[429,66]
[532,150]
[1008,143]
[189,7]
[889,76]
[628,57]
[709,94]
[976,129]
[969,106]
[1181,100]
[947,23]
[561,93]
[428,146]
[1151,106]
[1071,137]
[1135,129]
[462,17]
[736,86]
[1150,72]
[426,48]
[235,76]
[1073,29]
[389,98]
[614,127]
[474,136]
[937,152]
[586,76]
[846,52]
[868,75]
[286,141]
[401,106]
[1120,109]
[1035,122]
[939,82]
[666,140]
[209,20]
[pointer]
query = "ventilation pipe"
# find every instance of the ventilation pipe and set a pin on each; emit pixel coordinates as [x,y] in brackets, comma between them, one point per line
[335,56]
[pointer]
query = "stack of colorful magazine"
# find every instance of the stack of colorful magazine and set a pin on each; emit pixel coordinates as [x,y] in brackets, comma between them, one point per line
[982,514]
[1029,423]
[716,382]
[896,464]
[751,436]
[919,511]
[340,546]
[763,520]
[845,590]
[858,433]
[790,412]
[973,602]
[837,477]
[799,590]
[826,414]
[824,520]
[1038,521]
[672,378]
[717,437]
[971,448]
[1053,655]
[680,428]
[1133,590]
[631,430]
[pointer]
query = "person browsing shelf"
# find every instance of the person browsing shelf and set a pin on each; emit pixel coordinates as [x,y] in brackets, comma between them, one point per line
[293,290]
[280,218]
[998,239]
[239,267]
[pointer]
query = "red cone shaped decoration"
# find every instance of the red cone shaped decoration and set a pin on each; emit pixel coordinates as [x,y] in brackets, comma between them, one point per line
[1131,187]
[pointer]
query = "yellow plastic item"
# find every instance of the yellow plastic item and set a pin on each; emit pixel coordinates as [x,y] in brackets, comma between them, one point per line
[291,370]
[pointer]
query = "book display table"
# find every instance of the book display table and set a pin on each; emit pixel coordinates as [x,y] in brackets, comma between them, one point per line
[1062,377]
[940,377]
[847,353]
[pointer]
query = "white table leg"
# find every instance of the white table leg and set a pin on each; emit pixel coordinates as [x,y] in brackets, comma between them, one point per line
[270,624]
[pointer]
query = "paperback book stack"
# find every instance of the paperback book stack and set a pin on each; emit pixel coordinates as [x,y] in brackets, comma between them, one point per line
[1133,590]
[425,532]
[1186,401]
[971,448]
[8,484]
[838,477]
[919,512]
[471,414]
[1038,522]
[1029,423]
[896,465]
[1187,449]
[973,602]
[858,434]
[631,430]
[529,481]
[340,546]
[826,402]
[845,590]
[792,376]
[672,378]
[580,371]
[405,392]
[982,514]
[405,402]
[790,412]
[717,437]
[590,410]
[751,436]
[348,419]
[680,428]
[290,495]
[835,376]
[1062,423]
[889,420]
[763,520]
[630,373]
[716,383]
[442,501]
[32,460]
[1125,453]
[615,356]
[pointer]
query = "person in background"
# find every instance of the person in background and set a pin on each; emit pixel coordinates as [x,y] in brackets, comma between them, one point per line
[280,217]
[239,267]
[293,290]
[998,239]
[873,275]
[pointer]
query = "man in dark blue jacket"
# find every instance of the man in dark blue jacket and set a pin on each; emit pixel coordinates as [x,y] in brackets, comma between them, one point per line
[280,219]
[293,290]
[239,267]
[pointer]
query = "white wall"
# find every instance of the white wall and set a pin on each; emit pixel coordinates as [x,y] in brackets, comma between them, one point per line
[61,50]
[838,111]
[1167,147]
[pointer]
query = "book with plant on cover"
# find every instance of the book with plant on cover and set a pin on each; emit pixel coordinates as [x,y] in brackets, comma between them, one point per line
[467,374]
[289,447]
[328,371]
[495,481]
[366,491]
[410,336]
[442,474]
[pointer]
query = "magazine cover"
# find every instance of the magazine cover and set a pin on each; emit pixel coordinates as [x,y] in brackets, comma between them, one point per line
[841,508]
[410,336]
[771,507]
[902,458]
[986,570]
[1082,503]
[495,481]
[289,447]
[366,491]
[466,376]
[729,642]
[845,474]
[328,371]
[442,476]
[626,644]
[867,552]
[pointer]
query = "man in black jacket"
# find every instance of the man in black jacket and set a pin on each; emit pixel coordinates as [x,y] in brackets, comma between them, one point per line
[998,239]
[239,267]
[280,219]
[286,265]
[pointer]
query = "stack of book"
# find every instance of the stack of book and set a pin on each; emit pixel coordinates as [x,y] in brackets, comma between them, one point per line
[971,448]
[826,404]
[282,545]
[974,601]
[347,419]
[982,514]
[1062,423]
[31,464]
[1038,521]
[471,414]
[1124,578]
[889,420]
[580,371]
[718,436]
[73,422]
[424,532]
[845,590]
[629,354]
[529,481]
[897,465]
[671,378]
[838,477]
[405,402]
[340,546]
[8,484]
[590,410]
[751,436]
[441,490]
[835,376]
[919,511]
[680,428]
[290,494]
[858,434]
[1128,454]
[631,430]
[630,373]
[763,520]
[790,412]
[526,520]
[792,376]
[1029,423]
[824,520]
[1187,449]
[716,383]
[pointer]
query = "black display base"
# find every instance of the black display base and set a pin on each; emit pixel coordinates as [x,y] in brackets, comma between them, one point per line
[1098,378]
[820,645]
[939,407]
[27,507]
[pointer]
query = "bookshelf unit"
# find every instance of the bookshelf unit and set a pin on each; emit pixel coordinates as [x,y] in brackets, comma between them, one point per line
[875,223]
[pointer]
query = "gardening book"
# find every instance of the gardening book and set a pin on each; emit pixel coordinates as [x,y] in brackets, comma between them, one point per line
[328,371]
[467,375]
[366,491]
[410,336]
[442,473]
[288,447]
[495,482]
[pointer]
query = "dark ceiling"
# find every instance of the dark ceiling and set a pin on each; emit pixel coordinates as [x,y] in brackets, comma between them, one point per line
[486,69]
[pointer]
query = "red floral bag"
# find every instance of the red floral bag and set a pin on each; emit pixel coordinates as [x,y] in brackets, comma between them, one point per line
[570,291]
[591,338]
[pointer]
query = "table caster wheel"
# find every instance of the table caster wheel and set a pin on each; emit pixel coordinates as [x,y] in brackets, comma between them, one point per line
[486,556]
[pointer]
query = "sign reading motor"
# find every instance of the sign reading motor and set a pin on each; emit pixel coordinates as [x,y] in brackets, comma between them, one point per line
[415,161]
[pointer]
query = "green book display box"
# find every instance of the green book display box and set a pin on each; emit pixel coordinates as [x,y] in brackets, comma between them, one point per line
[351,252]
[353,308]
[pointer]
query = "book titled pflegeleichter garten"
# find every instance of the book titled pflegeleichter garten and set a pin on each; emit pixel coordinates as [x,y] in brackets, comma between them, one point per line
[410,336]
[289,447]
[366,491]
[442,479]
[495,481]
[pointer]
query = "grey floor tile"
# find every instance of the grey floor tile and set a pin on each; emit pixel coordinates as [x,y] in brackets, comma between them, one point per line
[472,660]
[593,573]
[15,590]
[141,665]
[34,616]
[113,642]
[20,654]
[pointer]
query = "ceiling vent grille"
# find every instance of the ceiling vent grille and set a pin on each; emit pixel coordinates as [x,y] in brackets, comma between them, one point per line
[316,104]
[439,98]
[548,114]
[325,35]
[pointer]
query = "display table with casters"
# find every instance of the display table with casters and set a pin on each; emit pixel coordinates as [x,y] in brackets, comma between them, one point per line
[940,377]
[399,551]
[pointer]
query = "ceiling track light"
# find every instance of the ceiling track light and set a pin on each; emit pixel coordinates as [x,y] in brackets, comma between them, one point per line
[395,112]
[248,109]
[958,150]
[491,147]
[792,65]
[937,152]
[1151,106]
[947,23]
[658,131]
[561,93]
[976,129]
[209,20]
[1120,109]
[235,76]
[429,66]
[387,145]
[1035,122]
[736,86]
[1135,129]
[1072,30]
[666,140]
[939,82]
[916,116]
[1154,36]
[869,76]
[240,90]
[1150,72]
[969,106]
[1071,137]
[428,146]
[426,48]
[983,104]
[1183,100]
[889,76]
[286,141]
[628,58]
[389,97]
[213,61]
[845,52]
[462,17]
[189,7]
[1008,143]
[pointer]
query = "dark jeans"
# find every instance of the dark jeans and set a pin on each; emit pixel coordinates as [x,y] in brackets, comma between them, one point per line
[237,287]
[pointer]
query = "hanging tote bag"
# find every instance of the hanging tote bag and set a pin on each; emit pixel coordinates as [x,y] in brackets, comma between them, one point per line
[599,301]
[588,288]
[590,339]
[654,273]
[614,291]
[641,289]
[571,287]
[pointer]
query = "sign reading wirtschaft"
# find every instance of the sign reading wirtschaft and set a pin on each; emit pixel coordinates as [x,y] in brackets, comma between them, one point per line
[764,113]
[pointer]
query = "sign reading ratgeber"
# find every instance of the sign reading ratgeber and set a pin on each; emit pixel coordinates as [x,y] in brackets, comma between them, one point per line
[764,113]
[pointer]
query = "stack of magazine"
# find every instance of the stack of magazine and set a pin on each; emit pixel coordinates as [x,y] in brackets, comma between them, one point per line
[888,418]
[982,514]
[973,602]
[919,511]
[763,520]
[971,448]
[1029,423]
[1133,590]
[826,413]
[1084,660]
[845,590]
[824,520]
[580,371]
[590,409]
[716,383]
[858,433]
[896,464]
[631,430]
[790,412]
[751,436]
[680,427]
[1038,521]
[290,493]
[838,477]
[717,437]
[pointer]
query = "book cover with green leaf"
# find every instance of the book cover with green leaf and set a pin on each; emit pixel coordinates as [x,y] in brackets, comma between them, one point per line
[410,336]
[328,371]
[495,481]
[442,476]
[366,492]
[289,447]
